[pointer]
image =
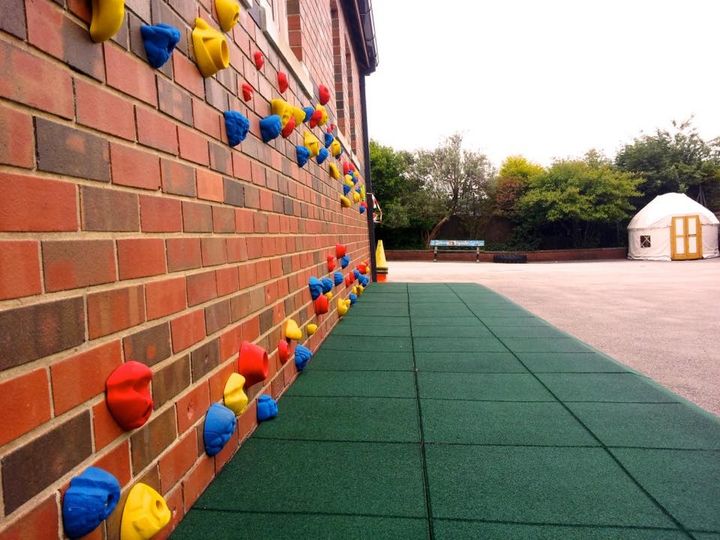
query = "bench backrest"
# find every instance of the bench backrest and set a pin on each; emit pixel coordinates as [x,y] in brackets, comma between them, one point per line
[457,243]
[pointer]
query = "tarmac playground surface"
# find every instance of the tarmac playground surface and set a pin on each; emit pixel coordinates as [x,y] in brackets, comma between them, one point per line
[447,411]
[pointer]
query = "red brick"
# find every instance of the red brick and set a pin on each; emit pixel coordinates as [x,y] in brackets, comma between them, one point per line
[223,219]
[156,130]
[112,311]
[148,442]
[16,138]
[165,297]
[134,168]
[174,500]
[130,75]
[236,249]
[178,460]
[141,257]
[183,254]
[97,108]
[197,217]
[40,522]
[105,428]
[244,222]
[209,185]
[81,377]
[188,330]
[19,269]
[25,404]
[117,463]
[241,167]
[247,422]
[174,101]
[177,178]
[160,214]
[30,204]
[198,480]
[193,147]
[109,210]
[213,251]
[192,406]
[206,119]
[31,78]
[227,281]
[218,380]
[201,288]
[187,75]
[13,21]
[78,263]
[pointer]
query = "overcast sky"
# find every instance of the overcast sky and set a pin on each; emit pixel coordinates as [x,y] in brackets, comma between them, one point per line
[542,78]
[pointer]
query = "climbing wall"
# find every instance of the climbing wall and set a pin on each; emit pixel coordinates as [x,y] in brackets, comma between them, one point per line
[181,225]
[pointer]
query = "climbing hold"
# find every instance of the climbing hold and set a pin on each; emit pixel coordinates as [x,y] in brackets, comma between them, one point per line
[90,499]
[348,181]
[356,197]
[346,189]
[308,113]
[349,280]
[363,207]
[311,329]
[252,363]
[329,295]
[323,115]
[292,330]
[302,356]
[323,94]
[334,171]
[316,287]
[347,167]
[321,304]
[338,278]
[211,48]
[336,148]
[128,395]
[270,127]
[343,306]
[302,155]
[145,514]
[331,128]
[247,91]
[315,118]
[298,114]
[107,18]
[288,128]
[218,428]
[330,263]
[159,41]
[353,298]
[345,261]
[363,282]
[356,273]
[362,268]
[282,81]
[228,12]
[258,59]
[283,351]
[323,154]
[267,408]
[281,108]
[363,193]
[340,250]
[236,126]
[312,143]
[327,284]
[234,395]
[328,139]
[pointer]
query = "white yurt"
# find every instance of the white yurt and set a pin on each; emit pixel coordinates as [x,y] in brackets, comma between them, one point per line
[673,227]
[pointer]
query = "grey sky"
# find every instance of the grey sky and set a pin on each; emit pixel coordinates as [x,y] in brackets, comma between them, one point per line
[542,78]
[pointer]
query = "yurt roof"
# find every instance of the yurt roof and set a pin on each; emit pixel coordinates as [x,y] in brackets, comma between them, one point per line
[659,212]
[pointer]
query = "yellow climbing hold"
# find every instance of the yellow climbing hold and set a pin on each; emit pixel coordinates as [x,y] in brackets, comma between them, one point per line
[299,115]
[356,197]
[145,514]
[211,48]
[312,143]
[233,395]
[334,171]
[107,18]
[311,328]
[343,306]
[335,148]
[283,109]
[348,181]
[329,295]
[292,330]
[323,115]
[228,12]
[345,202]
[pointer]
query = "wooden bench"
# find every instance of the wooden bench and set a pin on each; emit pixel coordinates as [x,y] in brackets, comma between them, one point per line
[457,244]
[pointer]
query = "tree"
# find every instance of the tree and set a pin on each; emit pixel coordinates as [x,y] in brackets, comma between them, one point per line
[579,196]
[674,161]
[511,183]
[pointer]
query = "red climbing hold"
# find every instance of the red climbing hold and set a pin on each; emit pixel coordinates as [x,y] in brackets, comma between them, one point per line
[259,60]
[340,251]
[315,118]
[349,279]
[322,304]
[347,167]
[289,127]
[282,81]
[128,395]
[252,363]
[324,94]
[247,92]
[330,263]
[331,128]
[283,351]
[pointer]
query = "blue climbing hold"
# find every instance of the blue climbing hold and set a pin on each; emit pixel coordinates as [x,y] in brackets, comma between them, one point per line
[237,127]
[316,287]
[338,278]
[219,427]
[90,499]
[302,356]
[270,127]
[327,285]
[346,189]
[322,155]
[159,41]
[357,273]
[308,113]
[353,298]
[364,281]
[344,261]
[266,407]
[354,178]
[362,209]
[328,139]
[303,154]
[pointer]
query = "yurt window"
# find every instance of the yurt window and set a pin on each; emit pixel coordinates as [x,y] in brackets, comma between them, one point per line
[645,241]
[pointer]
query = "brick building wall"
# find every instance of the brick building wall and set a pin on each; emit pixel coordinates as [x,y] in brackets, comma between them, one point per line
[130,230]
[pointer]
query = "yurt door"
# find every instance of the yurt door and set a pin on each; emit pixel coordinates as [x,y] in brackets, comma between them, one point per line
[686,238]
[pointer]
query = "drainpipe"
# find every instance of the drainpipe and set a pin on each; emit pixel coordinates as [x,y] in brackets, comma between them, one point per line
[368,179]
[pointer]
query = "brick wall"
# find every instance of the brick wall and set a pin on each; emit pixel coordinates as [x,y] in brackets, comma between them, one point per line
[130,230]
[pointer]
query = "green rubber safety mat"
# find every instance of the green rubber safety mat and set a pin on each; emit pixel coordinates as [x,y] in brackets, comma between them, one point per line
[448,412]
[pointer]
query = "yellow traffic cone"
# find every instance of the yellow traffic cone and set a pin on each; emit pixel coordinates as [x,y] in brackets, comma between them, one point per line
[380,262]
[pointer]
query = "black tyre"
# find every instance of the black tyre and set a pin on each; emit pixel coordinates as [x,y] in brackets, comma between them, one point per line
[509,258]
